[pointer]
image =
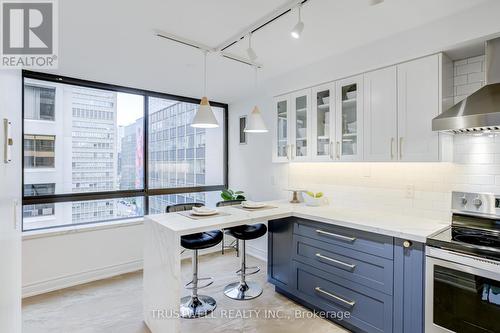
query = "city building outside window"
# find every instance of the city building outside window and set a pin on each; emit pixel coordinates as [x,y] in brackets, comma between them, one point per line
[95,147]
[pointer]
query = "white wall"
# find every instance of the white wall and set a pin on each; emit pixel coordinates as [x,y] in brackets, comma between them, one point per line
[67,259]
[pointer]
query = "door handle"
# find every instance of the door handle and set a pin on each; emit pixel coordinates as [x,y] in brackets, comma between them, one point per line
[337,150]
[331,234]
[342,300]
[331,150]
[349,267]
[292,151]
[288,152]
[392,148]
[401,147]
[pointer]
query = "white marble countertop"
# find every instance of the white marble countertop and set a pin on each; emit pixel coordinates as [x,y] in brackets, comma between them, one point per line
[413,228]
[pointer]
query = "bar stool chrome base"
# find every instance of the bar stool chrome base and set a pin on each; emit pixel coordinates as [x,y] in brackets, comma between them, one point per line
[242,292]
[196,306]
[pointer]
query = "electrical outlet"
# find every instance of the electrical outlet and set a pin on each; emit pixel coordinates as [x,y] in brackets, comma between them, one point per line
[410,192]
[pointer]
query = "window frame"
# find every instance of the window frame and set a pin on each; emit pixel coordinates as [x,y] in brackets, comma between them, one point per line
[145,192]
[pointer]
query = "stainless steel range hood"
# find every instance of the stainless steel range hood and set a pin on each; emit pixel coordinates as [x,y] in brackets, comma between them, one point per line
[480,111]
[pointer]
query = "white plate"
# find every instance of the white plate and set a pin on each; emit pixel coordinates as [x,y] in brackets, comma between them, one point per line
[253,205]
[203,213]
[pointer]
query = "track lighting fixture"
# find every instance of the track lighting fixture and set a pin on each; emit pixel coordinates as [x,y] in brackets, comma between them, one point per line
[250,51]
[299,27]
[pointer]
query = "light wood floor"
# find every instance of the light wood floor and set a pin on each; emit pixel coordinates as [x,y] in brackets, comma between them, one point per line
[115,305]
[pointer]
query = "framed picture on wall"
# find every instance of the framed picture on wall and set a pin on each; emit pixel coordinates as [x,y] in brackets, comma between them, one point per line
[243,134]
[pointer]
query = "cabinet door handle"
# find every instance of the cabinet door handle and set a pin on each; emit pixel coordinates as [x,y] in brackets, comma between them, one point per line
[350,304]
[337,150]
[350,267]
[392,148]
[401,147]
[292,151]
[331,150]
[331,234]
[288,152]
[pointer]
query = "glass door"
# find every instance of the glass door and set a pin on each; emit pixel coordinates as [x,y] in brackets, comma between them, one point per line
[464,301]
[301,127]
[281,137]
[323,120]
[349,119]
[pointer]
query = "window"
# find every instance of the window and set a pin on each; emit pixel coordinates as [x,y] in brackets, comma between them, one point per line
[46,209]
[39,102]
[39,151]
[89,163]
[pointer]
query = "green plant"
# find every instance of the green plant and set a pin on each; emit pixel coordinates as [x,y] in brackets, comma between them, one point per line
[229,194]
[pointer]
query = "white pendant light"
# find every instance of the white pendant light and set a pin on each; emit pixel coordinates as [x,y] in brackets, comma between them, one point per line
[204,116]
[255,123]
[299,27]
[250,51]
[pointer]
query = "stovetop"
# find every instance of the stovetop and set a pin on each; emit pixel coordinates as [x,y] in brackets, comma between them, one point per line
[475,227]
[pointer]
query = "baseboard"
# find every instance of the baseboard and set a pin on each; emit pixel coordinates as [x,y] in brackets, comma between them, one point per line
[256,252]
[80,278]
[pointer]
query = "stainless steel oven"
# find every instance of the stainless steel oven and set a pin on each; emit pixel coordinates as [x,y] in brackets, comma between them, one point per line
[463,268]
[462,293]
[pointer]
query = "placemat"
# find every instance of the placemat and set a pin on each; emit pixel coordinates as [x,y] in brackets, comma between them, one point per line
[187,213]
[254,209]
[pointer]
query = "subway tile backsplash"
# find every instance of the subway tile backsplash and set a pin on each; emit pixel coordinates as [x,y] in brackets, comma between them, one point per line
[422,189]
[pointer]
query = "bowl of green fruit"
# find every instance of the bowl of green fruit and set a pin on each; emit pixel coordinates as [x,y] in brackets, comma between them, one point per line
[314,199]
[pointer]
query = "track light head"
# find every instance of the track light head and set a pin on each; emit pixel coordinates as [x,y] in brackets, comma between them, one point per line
[297,30]
[250,51]
[251,54]
[299,27]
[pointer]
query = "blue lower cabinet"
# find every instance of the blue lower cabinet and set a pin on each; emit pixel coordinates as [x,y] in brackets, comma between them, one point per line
[365,269]
[279,244]
[376,279]
[409,269]
[361,307]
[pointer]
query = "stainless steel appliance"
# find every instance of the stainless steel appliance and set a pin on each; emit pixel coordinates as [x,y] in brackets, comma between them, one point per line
[463,268]
[480,111]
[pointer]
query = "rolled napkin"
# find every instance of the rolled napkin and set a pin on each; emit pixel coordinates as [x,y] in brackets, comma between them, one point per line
[253,204]
[204,210]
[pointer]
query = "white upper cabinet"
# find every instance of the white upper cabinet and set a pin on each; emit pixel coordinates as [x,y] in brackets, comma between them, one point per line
[281,129]
[323,122]
[419,101]
[300,133]
[380,115]
[349,119]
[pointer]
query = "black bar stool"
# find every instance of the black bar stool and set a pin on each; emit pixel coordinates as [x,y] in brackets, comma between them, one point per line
[195,305]
[234,244]
[244,290]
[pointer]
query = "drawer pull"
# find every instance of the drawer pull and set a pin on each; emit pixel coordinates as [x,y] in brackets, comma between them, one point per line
[341,263]
[341,237]
[335,297]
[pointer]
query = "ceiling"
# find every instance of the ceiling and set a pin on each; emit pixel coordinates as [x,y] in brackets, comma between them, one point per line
[112,41]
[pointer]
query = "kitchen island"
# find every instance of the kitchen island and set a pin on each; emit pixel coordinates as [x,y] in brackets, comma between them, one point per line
[162,250]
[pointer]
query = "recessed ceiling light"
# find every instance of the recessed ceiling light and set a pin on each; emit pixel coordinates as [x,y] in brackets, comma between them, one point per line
[299,27]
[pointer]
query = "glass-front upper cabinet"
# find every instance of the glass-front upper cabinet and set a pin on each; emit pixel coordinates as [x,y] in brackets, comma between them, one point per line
[349,119]
[301,142]
[281,136]
[323,122]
